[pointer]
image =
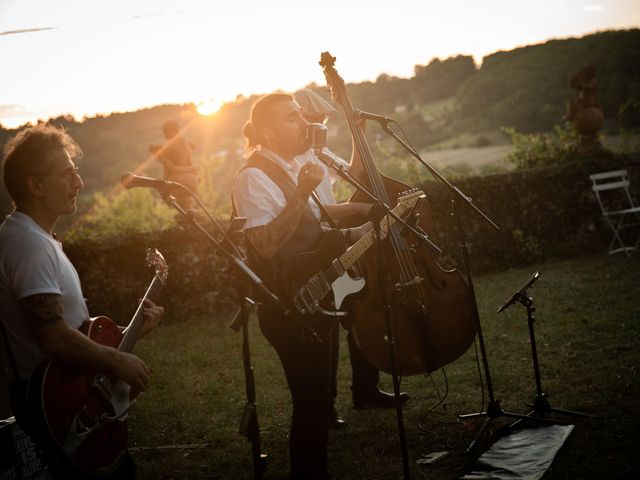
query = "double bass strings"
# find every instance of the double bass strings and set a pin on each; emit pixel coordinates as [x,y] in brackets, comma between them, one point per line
[400,248]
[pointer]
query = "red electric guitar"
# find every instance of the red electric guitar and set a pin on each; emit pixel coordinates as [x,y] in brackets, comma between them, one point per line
[83,412]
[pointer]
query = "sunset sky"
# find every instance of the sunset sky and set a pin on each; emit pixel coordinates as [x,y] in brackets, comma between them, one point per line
[88,56]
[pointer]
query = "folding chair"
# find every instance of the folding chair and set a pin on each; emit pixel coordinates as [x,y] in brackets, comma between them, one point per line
[618,209]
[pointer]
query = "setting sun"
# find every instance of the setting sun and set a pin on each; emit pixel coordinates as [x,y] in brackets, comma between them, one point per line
[208,107]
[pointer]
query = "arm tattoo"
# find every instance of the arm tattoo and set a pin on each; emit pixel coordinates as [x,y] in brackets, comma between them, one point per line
[268,238]
[340,211]
[42,309]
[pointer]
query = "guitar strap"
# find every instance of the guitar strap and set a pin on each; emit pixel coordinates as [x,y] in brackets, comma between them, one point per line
[283,181]
[281,178]
[325,213]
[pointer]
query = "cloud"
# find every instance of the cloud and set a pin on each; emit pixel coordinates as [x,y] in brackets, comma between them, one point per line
[157,14]
[26,30]
[14,115]
[148,15]
[12,110]
[593,8]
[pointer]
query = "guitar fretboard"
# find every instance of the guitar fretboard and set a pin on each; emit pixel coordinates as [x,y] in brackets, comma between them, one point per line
[137,322]
[355,251]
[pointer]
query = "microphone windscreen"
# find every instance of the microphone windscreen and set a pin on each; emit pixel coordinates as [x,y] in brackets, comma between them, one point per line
[316,136]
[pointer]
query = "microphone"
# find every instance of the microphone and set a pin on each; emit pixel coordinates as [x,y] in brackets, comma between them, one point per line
[317,139]
[519,296]
[317,136]
[372,116]
[131,180]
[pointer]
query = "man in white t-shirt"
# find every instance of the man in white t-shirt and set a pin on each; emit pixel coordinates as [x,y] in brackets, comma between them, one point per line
[41,301]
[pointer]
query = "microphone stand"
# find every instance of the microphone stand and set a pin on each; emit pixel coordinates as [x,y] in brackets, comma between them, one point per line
[233,258]
[377,212]
[494,410]
[249,426]
[541,406]
[345,175]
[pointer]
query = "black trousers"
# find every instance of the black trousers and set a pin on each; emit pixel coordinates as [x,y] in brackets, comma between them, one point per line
[306,359]
[29,418]
[364,376]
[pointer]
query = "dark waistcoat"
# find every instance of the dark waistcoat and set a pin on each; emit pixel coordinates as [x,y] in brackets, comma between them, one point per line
[306,236]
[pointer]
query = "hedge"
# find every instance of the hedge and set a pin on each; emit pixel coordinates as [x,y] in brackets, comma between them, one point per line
[542,214]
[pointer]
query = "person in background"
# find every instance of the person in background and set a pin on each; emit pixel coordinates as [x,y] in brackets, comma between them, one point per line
[175,155]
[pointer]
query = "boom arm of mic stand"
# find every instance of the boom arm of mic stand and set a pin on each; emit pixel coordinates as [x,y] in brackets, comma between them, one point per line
[165,195]
[360,187]
[455,190]
[233,259]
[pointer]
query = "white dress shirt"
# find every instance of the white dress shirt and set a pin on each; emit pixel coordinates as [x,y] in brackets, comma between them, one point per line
[260,200]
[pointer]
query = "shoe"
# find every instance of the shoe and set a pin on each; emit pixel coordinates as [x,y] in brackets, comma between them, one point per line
[377,399]
[335,419]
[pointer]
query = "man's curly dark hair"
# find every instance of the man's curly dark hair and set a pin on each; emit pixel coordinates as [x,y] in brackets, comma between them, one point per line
[28,152]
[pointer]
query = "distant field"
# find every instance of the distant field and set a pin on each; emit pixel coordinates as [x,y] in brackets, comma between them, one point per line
[477,157]
[473,157]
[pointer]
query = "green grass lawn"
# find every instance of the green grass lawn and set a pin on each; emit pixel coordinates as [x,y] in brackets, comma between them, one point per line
[587,337]
[186,425]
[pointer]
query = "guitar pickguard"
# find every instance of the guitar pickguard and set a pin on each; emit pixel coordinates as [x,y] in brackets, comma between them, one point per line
[294,274]
[345,285]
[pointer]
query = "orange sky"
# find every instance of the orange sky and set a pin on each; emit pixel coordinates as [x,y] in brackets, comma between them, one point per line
[86,56]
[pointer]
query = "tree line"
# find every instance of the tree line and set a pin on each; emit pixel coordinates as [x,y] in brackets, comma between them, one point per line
[525,88]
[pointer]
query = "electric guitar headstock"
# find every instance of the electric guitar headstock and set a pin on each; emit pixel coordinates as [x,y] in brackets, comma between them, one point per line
[156,260]
[410,197]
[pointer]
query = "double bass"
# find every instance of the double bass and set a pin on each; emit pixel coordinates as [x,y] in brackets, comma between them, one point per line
[432,314]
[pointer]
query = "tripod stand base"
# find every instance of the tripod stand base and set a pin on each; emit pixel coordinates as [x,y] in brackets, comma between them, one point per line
[541,408]
[494,410]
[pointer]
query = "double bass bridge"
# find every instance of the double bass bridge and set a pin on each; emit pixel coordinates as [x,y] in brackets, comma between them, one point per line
[417,280]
